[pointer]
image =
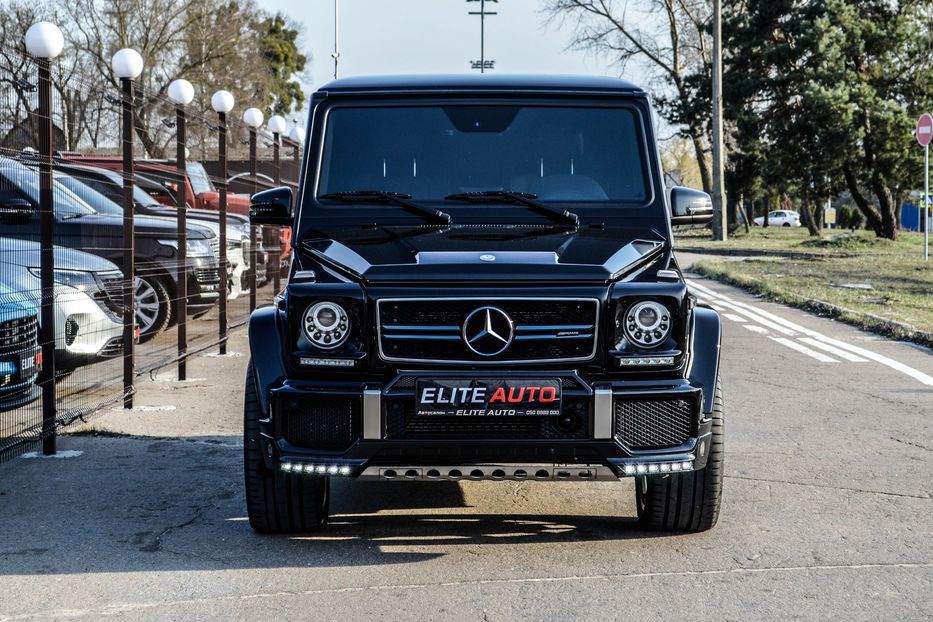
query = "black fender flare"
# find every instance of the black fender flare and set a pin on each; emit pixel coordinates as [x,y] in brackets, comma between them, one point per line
[706,341]
[265,344]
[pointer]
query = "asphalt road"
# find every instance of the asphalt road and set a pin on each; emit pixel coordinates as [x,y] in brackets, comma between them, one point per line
[827,514]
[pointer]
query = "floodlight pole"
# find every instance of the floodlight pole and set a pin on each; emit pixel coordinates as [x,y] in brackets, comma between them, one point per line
[482,31]
[720,224]
[336,54]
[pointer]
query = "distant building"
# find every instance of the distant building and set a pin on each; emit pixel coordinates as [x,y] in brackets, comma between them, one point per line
[25,134]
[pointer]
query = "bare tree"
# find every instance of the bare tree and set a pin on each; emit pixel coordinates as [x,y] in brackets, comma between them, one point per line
[669,37]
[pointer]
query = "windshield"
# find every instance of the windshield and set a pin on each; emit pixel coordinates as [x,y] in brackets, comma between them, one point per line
[562,154]
[200,182]
[95,199]
[19,179]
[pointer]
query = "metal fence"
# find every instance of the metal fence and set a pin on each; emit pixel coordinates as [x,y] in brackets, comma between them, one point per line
[123,245]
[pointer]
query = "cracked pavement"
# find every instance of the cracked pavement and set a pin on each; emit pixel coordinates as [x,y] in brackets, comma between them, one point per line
[827,515]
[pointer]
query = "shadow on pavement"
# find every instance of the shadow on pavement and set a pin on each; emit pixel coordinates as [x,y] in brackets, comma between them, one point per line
[136,504]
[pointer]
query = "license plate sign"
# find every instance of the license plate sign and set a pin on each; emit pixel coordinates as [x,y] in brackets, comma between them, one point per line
[452,397]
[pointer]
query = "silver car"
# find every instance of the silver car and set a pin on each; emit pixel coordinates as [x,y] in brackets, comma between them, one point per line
[88,299]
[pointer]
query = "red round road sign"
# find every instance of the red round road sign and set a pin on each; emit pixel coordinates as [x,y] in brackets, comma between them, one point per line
[925,130]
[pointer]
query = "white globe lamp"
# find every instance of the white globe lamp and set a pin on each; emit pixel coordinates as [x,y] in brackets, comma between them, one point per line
[181,92]
[253,118]
[44,40]
[297,134]
[277,124]
[127,64]
[222,101]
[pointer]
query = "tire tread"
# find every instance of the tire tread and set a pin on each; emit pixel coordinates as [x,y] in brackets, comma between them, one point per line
[277,502]
[687,501]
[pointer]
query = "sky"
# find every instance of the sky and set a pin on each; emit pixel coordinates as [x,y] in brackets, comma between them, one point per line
[435,36]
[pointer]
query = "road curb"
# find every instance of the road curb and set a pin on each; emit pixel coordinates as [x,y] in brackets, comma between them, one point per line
[866,321]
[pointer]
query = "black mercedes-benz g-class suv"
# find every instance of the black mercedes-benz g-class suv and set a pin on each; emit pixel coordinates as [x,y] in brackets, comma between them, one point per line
[483,287]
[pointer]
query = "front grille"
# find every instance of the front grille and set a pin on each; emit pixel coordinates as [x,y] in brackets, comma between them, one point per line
[328,423]
[71,331]
[207,275]
[112,347]
[545,329]
[651,423]
[18,335]
[403,424]
[113,292]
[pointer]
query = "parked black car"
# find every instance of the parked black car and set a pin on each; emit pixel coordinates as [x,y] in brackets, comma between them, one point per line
[110,184]
[484,287]
[95,225]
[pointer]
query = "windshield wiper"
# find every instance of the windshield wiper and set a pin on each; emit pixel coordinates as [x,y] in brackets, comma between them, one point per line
[525,198]
[398,198]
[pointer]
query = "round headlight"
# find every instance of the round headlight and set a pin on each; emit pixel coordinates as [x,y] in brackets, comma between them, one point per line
[647,324]
[326,325]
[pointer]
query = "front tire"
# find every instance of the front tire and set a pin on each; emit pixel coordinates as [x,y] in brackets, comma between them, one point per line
[686,501]
[277,502]
[153,306]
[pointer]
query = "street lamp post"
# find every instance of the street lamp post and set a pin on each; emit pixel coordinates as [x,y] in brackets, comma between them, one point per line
[44,41]
[222,103]
[277,126]
[181,93]
[127,66]
[253,119]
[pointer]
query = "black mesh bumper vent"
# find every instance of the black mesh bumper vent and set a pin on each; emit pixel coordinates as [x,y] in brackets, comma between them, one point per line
[651,423]
[329,423]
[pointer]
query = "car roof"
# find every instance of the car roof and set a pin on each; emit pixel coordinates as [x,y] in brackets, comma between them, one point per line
[84,168]
[484,82]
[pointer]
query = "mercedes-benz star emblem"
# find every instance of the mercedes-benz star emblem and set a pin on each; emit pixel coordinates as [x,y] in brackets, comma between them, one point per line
[488,331]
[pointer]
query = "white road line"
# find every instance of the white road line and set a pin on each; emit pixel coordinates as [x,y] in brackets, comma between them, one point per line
[756,329]
[833,350]
[755,312]
[793,345]
[756,318]
[734,317]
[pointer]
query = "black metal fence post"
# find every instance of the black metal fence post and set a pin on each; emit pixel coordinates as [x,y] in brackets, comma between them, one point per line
[128,65]
[252,230]
[181,93]
[277,177]
[222,103]
[47,258]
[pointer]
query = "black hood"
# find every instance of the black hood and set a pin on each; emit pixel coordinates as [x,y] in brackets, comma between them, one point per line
[483,252]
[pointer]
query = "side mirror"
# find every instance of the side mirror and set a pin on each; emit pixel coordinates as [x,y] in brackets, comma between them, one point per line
[271,207]
[16,211]
[690,207]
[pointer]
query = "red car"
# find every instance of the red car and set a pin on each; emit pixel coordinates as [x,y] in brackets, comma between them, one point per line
[200,193]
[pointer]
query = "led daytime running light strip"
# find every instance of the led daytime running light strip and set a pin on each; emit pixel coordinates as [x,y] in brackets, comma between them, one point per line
[309,468]
[638,361]
[657,468]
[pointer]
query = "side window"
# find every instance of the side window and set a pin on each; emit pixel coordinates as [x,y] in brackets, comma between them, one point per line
[109,190]
[7,193]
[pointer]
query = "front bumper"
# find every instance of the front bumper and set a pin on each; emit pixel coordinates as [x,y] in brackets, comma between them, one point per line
[85,332]
[367,430]
[204,284]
